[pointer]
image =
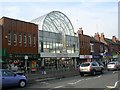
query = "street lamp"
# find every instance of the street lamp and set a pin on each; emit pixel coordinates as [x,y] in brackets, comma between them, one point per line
[26,58]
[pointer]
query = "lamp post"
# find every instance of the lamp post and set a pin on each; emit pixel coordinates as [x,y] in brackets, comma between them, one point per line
[26,58]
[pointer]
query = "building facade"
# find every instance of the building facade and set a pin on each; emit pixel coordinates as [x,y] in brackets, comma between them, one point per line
[84,47]
[57,44]
[19,42]
[111,47]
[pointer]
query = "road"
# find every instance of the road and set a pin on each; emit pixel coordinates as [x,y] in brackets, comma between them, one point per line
[108,79]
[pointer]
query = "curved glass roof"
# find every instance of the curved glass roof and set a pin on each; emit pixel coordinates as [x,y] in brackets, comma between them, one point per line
[55,21]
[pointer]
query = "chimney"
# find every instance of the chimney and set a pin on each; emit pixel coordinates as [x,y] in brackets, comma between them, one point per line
[97,36]
[80,31]
[114,39]
[102,36]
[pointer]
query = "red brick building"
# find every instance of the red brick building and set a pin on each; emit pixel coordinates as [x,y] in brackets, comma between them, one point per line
[111,46]
[84,45]
[97,48]
[19,39]
[117,44]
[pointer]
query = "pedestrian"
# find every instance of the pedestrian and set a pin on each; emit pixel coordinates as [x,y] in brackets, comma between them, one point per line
[43,70]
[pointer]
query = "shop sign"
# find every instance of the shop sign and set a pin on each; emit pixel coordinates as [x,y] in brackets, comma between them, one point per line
[62,55]
[81,56]
[22,56]
[59,55]
[85,56]
[97,56]
[26,57]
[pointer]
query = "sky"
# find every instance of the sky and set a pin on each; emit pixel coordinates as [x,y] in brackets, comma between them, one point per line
[94,16]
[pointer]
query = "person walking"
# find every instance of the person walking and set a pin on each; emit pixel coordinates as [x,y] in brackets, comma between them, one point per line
[43,70]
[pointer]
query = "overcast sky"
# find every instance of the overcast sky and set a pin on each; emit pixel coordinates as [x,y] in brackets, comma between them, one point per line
[92,15]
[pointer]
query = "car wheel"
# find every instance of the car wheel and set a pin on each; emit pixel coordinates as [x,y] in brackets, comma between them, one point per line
[81,74]
[94,73]
[22,83]
[101,71]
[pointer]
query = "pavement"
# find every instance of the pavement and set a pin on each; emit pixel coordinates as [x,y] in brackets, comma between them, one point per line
[50,76]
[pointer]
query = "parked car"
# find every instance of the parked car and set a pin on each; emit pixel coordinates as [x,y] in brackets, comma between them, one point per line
[9,78]
[114,65]
[90,68]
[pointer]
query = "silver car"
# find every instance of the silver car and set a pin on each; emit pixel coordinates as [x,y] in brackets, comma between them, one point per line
[114,65]
[90,68]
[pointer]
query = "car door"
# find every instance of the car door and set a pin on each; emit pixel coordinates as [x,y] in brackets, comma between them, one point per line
[99,67]
[95,66]
[8,78]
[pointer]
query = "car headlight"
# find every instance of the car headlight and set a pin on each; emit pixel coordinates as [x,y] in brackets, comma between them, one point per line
[23,76]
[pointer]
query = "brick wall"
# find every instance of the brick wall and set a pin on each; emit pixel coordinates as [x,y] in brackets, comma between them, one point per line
[17,26]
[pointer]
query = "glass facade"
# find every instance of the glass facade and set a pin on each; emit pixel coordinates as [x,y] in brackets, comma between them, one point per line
[54,43]
[57,43]
[55,21]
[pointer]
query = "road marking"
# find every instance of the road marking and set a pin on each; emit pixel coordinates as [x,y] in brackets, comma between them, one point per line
[114,85]
[44,83]
[83,79]
[39,80]
[98,76]
[59,86]
[71,83]
[115,72]
[88,78]
[76,81]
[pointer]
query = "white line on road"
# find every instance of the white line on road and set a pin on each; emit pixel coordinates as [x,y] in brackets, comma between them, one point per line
[98,76]
[76,81]
[114,85]
[44,83]
[71,83]
[115,72]
[39,80]
[59,86]
[88,78]
[83,79]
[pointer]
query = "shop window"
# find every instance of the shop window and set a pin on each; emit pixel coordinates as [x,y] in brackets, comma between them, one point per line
[9,38]
[15,39]
[20,39]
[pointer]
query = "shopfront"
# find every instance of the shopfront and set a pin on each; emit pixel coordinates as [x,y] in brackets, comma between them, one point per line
[59,62]
[22,63]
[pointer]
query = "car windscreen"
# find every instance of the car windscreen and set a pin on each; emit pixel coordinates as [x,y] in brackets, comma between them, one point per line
[85,64]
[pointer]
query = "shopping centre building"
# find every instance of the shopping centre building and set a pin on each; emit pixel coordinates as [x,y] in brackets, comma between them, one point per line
[57,43]
[48,40]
